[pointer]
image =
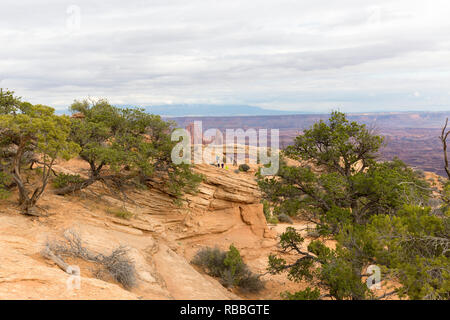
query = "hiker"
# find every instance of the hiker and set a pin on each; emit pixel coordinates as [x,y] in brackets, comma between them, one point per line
[217,161]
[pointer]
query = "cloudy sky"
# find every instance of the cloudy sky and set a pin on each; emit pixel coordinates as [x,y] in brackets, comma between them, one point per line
[316,55]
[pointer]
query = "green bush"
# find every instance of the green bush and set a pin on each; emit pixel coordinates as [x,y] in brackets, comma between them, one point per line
[306,294]
[229,267]
[273,220]
[63,180]
[120,213]
[211,260]
[244,167]
[250,282]
[4,193]
[270,218]
[130,144]
[4,180]
[234,263]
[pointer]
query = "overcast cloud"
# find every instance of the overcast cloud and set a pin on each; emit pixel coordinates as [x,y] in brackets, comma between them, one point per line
[281,54]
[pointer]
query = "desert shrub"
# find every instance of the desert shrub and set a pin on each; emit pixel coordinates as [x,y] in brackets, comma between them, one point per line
[420,173]
[32,129]
[266,208]
[306,294]
[250,282]
[244,167]
[63,180]
[120,213]
[120,267]
[312,232]
[229,267]
[211,260]
[4,193]
[272,220]
[234,264]
[117,264]
[4,181]
[237,171]
[285,218]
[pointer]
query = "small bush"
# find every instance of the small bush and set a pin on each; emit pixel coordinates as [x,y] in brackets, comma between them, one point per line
[120,213]
[120,267]
[211,260]
[229,267]
[266,208]
[5,179]
[4,194]
[306,294]
[272,220]
[420,173]
[63,180]
[250,282]
[244,167]
[313,232]
[285,218]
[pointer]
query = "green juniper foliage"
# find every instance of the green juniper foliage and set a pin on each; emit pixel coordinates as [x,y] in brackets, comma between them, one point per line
[244,167]
[345,174]
[119,144]
[131,144]
[31,129]
[9,104]
[375,211]
[63,180]
[229,267]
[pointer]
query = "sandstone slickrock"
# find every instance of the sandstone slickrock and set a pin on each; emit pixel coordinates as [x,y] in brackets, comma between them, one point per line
[161,237]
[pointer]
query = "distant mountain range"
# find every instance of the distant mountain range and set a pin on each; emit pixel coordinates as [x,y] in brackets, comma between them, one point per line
[212,110]
[222,110]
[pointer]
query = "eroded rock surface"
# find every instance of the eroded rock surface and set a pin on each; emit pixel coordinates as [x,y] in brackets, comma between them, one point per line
[161,237]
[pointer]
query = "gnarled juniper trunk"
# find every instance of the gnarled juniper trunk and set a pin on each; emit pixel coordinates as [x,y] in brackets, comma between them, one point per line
[28,203]
[94,176]
[77,186]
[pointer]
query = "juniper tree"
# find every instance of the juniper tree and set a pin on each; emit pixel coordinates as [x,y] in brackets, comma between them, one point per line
[130,144]
[26,128]
[365,206]
[339,170]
